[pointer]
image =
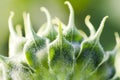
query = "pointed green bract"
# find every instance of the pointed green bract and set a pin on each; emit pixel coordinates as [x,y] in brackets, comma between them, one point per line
[61,57]
[89,25]
[35,47]
[49,30]
[71,33]
[91,54]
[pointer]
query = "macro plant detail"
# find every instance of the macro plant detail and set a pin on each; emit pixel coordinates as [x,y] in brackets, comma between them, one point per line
[59,52]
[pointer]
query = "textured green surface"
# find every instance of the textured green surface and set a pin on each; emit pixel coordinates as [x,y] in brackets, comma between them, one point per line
[59,52]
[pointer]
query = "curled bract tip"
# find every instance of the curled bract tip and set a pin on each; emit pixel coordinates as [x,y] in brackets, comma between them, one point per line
[100,29]
[28,29]
[12,31]
[43,9]
[66,2]
[69,6]
[28,18]
[88,17]
[89,25]
[25,22]
[11,14]
[71,16]
[106,17]
[28,21]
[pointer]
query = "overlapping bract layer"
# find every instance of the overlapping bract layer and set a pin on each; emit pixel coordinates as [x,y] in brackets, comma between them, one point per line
[59,52]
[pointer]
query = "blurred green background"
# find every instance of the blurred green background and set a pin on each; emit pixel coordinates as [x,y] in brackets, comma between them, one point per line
[96,8]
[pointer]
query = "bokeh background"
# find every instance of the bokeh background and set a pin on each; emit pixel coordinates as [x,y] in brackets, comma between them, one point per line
[96,8]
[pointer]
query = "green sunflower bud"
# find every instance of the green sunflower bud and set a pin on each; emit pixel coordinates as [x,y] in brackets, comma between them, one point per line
[59,52]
